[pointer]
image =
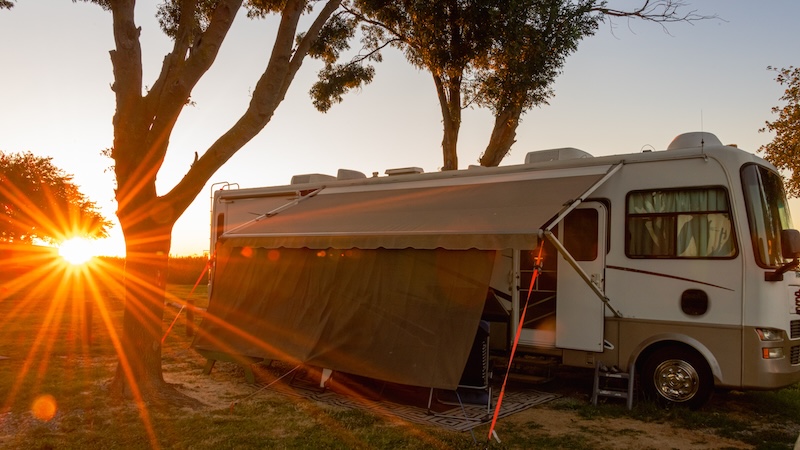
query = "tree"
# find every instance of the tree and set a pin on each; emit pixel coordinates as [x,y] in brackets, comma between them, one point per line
[500,54]
[784,150]
[443,37]
[40,202]
[532,45]
[532,42]
[143,123]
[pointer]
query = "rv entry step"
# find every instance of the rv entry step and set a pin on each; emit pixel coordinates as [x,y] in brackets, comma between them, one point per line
[528,369]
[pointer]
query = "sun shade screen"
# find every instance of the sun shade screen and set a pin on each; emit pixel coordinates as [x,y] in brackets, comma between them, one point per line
[404,316]
[492,215]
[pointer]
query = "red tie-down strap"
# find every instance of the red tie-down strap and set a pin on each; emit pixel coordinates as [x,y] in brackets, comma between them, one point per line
[536,269]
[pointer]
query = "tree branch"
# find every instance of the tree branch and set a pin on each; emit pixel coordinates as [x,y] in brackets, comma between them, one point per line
[376,23]
[658,11]
[267,95]
[184,66]
[126,60]
[305,44]
[174,60]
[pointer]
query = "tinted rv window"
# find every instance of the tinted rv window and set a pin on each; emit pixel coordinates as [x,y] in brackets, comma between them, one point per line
[580,234]
[767,212]
[679,223]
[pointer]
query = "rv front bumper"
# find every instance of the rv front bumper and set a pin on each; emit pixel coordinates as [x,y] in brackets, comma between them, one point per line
[769,359]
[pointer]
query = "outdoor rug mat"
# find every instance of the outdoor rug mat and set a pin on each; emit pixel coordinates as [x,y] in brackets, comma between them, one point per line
[411,404]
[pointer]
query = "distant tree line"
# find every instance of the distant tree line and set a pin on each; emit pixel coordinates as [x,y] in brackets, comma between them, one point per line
[40,202]
[182,269]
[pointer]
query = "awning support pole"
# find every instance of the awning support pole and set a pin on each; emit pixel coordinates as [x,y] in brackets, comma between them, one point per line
[547,234]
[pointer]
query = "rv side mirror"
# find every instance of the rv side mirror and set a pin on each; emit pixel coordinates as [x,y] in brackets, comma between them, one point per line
[790,249]
[790,244]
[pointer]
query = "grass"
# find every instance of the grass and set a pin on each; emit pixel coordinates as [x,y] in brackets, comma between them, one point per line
[51,358]
[764,420]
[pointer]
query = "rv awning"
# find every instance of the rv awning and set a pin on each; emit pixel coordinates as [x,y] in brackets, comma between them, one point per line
[480,212]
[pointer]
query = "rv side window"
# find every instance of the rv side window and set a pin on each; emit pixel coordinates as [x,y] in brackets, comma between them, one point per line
[679,223]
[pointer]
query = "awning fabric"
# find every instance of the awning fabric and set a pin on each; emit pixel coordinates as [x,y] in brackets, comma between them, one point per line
[492,215]
[404,316]
[384,281]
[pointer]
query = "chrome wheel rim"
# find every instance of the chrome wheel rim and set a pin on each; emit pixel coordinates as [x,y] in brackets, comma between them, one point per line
[676,380]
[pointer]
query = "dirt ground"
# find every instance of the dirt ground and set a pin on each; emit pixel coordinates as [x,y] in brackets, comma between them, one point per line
[621,433]
[226,385]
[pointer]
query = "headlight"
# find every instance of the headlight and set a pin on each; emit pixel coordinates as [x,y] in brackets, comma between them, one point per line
[772,353]
[769,334]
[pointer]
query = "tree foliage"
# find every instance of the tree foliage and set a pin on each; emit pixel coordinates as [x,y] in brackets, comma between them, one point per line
[446,38]
[532,42]
[503,55]
[784,150]
[40,202]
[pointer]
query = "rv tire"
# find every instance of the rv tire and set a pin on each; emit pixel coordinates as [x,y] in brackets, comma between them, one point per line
[677,376]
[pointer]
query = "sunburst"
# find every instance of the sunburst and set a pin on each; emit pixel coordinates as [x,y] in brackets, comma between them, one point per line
[77,251]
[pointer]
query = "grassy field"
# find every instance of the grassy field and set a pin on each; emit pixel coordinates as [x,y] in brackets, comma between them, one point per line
[54,374]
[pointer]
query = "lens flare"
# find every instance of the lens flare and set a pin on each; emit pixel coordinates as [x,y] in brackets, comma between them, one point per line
[44,407]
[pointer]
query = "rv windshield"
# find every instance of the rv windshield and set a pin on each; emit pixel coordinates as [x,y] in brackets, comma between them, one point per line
[767,213]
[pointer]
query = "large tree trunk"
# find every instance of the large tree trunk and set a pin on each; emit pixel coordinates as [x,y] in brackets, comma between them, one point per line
[139,375]
[450,145]
[450,104]
[503,136]
[139,370]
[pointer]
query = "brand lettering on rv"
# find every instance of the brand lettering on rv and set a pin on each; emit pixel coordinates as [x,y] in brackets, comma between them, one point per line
[797,301]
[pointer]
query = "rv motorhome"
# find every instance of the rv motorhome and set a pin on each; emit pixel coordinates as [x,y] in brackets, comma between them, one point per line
[679,262]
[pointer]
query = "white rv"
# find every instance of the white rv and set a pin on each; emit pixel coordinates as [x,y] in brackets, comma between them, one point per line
[680,262]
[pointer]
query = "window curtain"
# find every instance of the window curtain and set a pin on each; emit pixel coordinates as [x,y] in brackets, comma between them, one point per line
[685,223]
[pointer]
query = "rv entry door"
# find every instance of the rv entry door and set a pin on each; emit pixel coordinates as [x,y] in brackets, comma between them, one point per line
[579,313]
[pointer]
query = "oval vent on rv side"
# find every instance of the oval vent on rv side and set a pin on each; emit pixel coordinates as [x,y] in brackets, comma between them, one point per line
[694,302]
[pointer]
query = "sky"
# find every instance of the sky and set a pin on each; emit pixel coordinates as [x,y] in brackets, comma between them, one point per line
[631,86]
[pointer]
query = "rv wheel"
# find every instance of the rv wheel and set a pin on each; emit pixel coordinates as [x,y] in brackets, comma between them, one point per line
[677,376]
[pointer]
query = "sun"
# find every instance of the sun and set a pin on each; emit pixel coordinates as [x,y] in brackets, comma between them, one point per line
[77,250]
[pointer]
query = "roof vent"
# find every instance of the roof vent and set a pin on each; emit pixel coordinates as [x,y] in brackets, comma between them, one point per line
[404,171]
[346,174]
[555,154]
[311,178]
[694,139]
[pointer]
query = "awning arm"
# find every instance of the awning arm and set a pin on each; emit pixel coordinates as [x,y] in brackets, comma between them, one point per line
[290,204]
[279,209]
[547,234]
[574,203]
